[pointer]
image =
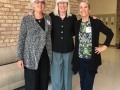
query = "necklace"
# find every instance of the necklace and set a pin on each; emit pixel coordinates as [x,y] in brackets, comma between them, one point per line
[39,20]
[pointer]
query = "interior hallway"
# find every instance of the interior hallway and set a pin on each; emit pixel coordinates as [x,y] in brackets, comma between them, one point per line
[108,77]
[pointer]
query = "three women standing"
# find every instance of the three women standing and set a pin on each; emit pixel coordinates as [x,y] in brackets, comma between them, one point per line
[34,46]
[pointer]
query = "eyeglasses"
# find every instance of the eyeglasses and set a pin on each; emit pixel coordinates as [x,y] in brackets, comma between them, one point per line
[64,3]
[40,2]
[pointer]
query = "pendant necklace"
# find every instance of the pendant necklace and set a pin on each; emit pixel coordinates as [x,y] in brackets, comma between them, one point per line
[39,20]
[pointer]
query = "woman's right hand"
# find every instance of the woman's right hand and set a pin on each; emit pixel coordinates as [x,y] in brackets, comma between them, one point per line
[20,64]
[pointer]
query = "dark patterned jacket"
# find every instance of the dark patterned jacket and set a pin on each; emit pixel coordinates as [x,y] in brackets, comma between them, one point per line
[97,27]
[32,39]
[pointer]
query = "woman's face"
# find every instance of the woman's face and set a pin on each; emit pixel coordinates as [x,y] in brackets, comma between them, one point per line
[84,9]
[39,5]
[62,6]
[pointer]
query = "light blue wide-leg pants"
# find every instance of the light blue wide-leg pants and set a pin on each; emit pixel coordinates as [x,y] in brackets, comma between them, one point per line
[61,71]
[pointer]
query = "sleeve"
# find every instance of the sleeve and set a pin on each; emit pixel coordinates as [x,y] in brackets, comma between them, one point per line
[48,38]
[73,30]
[75,62]
[51,17]
[49,32]
[21,40]
[108,32]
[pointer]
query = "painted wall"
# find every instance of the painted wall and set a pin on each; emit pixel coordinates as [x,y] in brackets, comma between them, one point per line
[103,6]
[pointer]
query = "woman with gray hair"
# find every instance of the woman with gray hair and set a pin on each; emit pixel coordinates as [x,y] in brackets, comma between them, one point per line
[87,58]
[34,47]
[62,45]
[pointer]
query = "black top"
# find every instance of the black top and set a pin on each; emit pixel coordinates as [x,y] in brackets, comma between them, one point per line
[62,32]
[97,27]
[41,22]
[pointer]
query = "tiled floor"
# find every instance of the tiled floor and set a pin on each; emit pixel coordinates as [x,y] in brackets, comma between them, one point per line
[108,77]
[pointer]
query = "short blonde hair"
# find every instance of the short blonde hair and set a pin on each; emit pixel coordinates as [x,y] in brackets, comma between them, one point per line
[86,1]
[56,12]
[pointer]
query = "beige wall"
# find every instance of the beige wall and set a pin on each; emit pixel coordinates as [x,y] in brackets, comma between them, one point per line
[118,24]
[103,6]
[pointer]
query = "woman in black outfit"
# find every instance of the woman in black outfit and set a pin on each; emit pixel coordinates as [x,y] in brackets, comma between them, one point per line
[87,58]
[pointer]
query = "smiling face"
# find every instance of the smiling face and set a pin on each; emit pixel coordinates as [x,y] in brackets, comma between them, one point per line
[62,6]
[39,5]
[84,9]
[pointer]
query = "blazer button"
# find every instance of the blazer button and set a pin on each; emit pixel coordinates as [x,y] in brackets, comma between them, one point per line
[61,31]
[61,37]
[62,26]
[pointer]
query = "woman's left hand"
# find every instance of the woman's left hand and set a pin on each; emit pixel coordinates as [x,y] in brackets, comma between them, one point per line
[100,49]
[94,17]
[30,13]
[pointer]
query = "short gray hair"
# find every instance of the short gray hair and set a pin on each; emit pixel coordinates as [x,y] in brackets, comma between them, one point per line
[31,1]
[86,1]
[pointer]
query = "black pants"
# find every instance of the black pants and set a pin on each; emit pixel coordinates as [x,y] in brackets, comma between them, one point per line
[38,79]
[86,79]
